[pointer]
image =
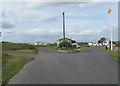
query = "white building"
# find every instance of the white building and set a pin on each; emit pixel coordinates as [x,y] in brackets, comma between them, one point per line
[90,44]
[35,43]
[39,43]
[76,45]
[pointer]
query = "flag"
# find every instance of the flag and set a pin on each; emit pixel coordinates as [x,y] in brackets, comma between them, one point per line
[109,10]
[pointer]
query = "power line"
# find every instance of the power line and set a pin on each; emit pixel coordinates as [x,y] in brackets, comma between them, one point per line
[68,9]
[63,13]
[71,7]
[64,18]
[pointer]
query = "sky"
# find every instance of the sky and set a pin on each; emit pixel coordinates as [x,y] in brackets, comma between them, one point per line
[42,21]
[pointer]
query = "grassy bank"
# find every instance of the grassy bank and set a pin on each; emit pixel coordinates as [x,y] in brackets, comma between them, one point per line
[12,65]
[113,54]
[7,46]
[19,47]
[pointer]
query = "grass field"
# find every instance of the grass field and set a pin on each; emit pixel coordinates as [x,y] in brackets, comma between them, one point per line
[12,65]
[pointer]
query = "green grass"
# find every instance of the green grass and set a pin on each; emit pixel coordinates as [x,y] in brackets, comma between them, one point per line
[7,46]
[19,47]
[113,54]
[0,63]
[0,70]
[0,75]
[12,65]
[27,51]
[0,46]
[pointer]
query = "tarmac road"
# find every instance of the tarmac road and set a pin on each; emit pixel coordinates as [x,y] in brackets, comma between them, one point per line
[92,66]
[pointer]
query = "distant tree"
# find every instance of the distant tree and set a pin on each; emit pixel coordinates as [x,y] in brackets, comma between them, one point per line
[99,41]
[83,43]
[102,40]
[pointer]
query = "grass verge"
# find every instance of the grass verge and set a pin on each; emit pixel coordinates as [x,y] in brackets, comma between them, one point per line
[27,51]
[113,54]
[12,65]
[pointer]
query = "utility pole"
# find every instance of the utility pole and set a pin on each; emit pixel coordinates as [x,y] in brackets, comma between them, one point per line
[63,25]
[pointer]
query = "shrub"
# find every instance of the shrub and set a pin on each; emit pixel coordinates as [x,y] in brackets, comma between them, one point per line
[65,44]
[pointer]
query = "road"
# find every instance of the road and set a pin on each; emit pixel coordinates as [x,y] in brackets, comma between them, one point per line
[92,66]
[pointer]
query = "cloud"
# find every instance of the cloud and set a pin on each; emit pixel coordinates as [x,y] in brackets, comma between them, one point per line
[6,23]
[40,5]
[71,4]
[78,24]
[43,31]
[36,5]
[28,15]
[45,16]
[32,35]
[32,22]
[33,31]
[60,0]
[8,32]
[83,33]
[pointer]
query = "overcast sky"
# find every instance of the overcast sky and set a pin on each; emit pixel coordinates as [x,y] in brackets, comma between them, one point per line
[42,22]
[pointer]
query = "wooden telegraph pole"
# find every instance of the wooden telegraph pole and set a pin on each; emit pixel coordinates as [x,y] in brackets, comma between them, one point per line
[63,25]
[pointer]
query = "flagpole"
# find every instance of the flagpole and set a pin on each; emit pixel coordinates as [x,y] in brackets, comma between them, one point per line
[111,45]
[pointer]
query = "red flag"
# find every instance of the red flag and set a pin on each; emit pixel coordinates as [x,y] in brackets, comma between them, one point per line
[109,10]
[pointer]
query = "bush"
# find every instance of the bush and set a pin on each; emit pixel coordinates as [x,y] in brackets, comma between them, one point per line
[10,46]
[65,44]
